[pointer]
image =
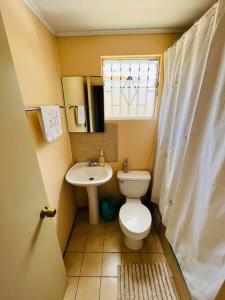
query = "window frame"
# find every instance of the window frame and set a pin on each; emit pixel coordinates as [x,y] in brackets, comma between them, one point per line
[137,57]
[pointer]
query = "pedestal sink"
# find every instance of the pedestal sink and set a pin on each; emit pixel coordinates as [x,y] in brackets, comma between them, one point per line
[90,177]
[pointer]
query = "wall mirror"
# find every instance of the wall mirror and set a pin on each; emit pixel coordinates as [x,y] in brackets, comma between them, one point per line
[84,103]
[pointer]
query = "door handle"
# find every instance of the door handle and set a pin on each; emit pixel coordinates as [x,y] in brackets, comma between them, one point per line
[47,212]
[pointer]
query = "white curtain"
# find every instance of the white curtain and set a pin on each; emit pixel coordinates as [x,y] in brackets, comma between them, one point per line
[189,177]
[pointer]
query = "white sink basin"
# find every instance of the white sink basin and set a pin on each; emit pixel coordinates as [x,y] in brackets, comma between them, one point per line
[82,175]
[90,177]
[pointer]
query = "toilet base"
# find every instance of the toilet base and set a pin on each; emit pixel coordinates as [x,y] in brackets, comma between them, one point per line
[133,244]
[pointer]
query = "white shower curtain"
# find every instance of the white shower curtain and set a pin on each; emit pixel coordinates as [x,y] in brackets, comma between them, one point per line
[189,176]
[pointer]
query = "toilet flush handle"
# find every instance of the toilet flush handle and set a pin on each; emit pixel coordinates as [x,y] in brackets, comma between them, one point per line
[47,212]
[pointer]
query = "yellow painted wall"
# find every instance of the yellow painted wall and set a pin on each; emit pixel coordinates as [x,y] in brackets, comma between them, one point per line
[82,56]
[36,62]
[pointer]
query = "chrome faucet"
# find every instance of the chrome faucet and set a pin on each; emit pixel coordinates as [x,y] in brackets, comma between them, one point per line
[93,163]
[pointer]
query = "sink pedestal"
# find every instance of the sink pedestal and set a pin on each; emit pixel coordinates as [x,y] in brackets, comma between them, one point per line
[81,174]
[93,204]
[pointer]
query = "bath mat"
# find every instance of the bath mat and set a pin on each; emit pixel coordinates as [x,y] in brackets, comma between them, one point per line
[145,282]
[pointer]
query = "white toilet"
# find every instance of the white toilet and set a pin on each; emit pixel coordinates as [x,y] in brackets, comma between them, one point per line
[135,218]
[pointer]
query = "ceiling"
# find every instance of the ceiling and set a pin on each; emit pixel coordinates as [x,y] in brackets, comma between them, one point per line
[84,17]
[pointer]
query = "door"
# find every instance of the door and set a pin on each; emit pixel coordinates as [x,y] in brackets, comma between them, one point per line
[31,265]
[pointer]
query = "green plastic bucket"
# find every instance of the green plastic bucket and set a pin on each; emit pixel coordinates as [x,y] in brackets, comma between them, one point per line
[108,209]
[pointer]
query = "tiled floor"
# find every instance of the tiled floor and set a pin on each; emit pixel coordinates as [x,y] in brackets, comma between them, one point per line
[92,256]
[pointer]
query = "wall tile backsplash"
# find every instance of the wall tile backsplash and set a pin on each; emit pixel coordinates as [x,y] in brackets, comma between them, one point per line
[87,146]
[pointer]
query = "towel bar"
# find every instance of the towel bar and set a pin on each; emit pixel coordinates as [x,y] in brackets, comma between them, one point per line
[71,106]
[32,108]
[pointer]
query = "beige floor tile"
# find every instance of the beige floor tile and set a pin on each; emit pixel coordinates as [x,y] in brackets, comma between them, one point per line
[112,243]
[158,244]
[88,288]
[131,258]
[81,228]
[82,216]
[112,227]
[73,262]
[124,247]
[92,264]
[153,231]
[77,243]
[108,288]
[149,244]
[109,264]
[177,278]
[98,228]
[71,288]
[94,243]
[180,288]
[152,257]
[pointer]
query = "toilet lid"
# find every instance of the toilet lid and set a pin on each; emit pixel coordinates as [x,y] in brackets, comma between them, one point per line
[135,217]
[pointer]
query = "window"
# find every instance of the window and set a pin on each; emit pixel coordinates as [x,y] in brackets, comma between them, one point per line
[130,88]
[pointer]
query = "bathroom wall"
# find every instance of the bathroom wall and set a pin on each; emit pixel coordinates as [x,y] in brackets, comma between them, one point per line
[82,56]
[35,57]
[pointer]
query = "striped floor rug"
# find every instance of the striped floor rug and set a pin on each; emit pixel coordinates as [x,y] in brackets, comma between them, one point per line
[145,282]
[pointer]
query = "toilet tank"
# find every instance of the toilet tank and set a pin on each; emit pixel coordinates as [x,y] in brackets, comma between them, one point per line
[133,184]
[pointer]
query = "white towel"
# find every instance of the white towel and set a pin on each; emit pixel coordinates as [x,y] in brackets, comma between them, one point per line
[50,120]
[80,115]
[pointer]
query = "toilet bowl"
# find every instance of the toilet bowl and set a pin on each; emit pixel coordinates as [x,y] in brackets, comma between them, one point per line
[135,218]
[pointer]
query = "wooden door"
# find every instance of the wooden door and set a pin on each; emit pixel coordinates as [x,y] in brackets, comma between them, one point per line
[31,265]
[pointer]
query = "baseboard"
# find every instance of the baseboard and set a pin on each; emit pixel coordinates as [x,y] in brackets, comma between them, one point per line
[170,257]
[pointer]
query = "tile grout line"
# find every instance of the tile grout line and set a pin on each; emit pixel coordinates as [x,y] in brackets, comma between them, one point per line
[77,288]
[81,268]
[101,275]
[83,255]
[153,252]
[95,276]
[102,261]
[99,295]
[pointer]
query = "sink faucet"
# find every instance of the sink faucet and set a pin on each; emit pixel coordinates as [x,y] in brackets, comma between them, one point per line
[93,163]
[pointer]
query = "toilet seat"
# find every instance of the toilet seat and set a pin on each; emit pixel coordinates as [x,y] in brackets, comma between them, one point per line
[135,219]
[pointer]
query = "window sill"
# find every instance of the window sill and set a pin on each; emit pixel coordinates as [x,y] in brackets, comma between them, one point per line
[131,119]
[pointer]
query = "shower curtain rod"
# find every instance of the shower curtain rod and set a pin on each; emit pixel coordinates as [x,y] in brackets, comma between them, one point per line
[196,22]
